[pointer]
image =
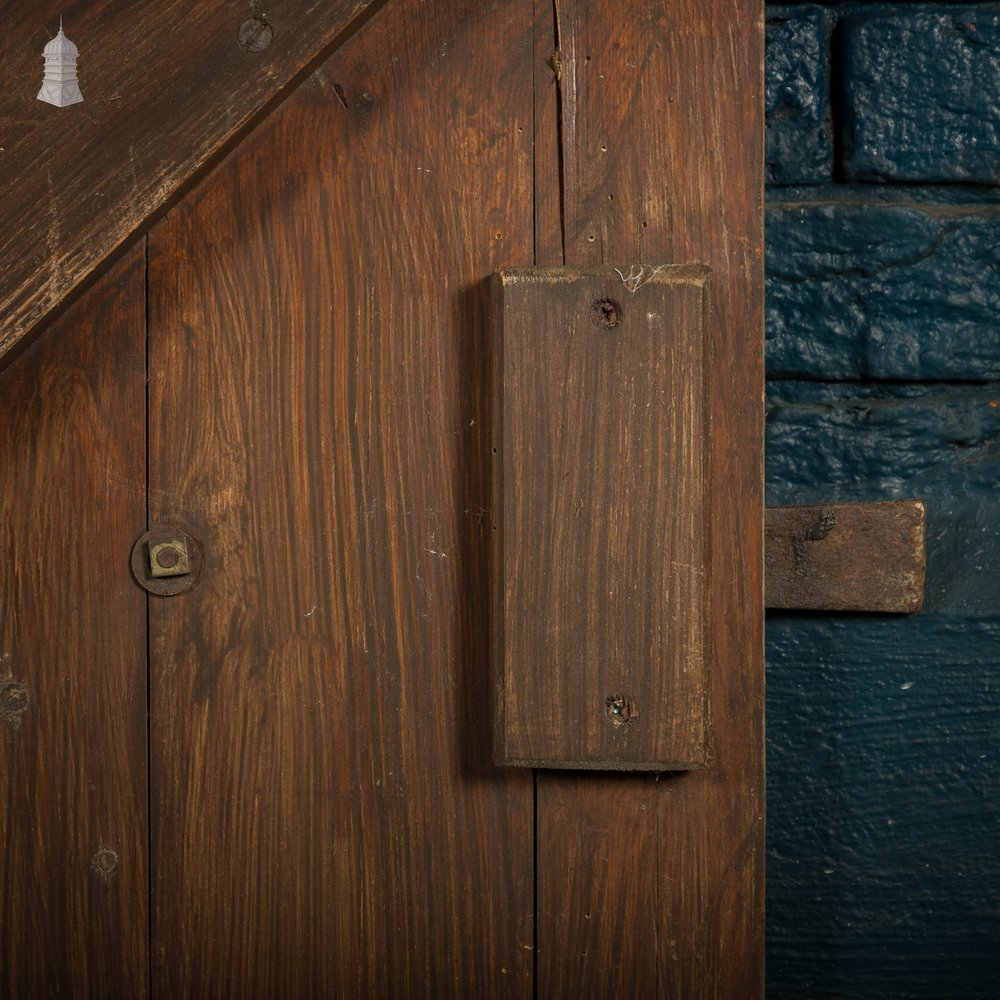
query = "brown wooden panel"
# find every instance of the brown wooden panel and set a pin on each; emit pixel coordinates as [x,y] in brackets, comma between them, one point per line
[846,556]
[327,820]
[602,569]
[600,913]
[166,87]
[661,153]
[73,828]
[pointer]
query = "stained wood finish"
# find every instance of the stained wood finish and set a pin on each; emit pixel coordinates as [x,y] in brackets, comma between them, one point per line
[656,887]
[602,569]
[166,87]
[846,557]
[73,830]
[326,817]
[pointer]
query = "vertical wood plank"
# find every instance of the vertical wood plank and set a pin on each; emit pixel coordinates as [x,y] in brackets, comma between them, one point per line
[661,152]
[326,817]
[73,827]
[602,570]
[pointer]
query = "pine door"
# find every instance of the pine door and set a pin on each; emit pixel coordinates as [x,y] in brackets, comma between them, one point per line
[281,783]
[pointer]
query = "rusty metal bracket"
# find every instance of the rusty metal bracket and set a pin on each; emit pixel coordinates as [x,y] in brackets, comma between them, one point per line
[846,557]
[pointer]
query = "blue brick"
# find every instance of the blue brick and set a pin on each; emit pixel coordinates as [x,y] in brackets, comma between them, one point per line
[891,291]
[797,95]
[922,94]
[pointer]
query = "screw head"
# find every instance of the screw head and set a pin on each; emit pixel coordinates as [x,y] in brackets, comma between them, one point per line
[620,710]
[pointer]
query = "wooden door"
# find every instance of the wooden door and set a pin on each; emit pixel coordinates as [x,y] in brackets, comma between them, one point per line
[325,815]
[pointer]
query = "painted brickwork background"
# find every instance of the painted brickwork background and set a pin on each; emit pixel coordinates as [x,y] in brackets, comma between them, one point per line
[883,287]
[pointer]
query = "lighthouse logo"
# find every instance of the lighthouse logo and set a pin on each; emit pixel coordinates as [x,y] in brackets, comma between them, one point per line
[60,86]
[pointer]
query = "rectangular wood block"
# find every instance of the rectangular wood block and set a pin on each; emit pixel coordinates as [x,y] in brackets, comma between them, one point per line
[601,569]
[846,557]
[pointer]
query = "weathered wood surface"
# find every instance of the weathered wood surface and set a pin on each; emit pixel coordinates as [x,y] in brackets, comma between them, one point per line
[327,820]
[73,830]
[645,887]
[166,87]
[602,572]
[846,557]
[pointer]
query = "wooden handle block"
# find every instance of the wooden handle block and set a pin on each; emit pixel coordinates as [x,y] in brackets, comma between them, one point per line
[602,561]
[846,557]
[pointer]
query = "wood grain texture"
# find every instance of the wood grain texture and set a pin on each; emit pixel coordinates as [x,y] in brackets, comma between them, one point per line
[846,557]
[166,87]
[73,830]
[327,820]
[661,154]
[602,430]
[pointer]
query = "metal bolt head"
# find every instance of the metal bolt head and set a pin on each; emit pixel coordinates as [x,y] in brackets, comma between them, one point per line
[166,560]
[169,558]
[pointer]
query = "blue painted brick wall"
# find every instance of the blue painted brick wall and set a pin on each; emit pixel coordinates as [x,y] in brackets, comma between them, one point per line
[883,354]
[887,291]
[797,95]
[921,101]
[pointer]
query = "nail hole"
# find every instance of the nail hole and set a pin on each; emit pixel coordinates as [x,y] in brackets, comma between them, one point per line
[605,313]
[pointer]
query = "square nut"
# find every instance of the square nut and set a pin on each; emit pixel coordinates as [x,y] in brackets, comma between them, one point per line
[169,558]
